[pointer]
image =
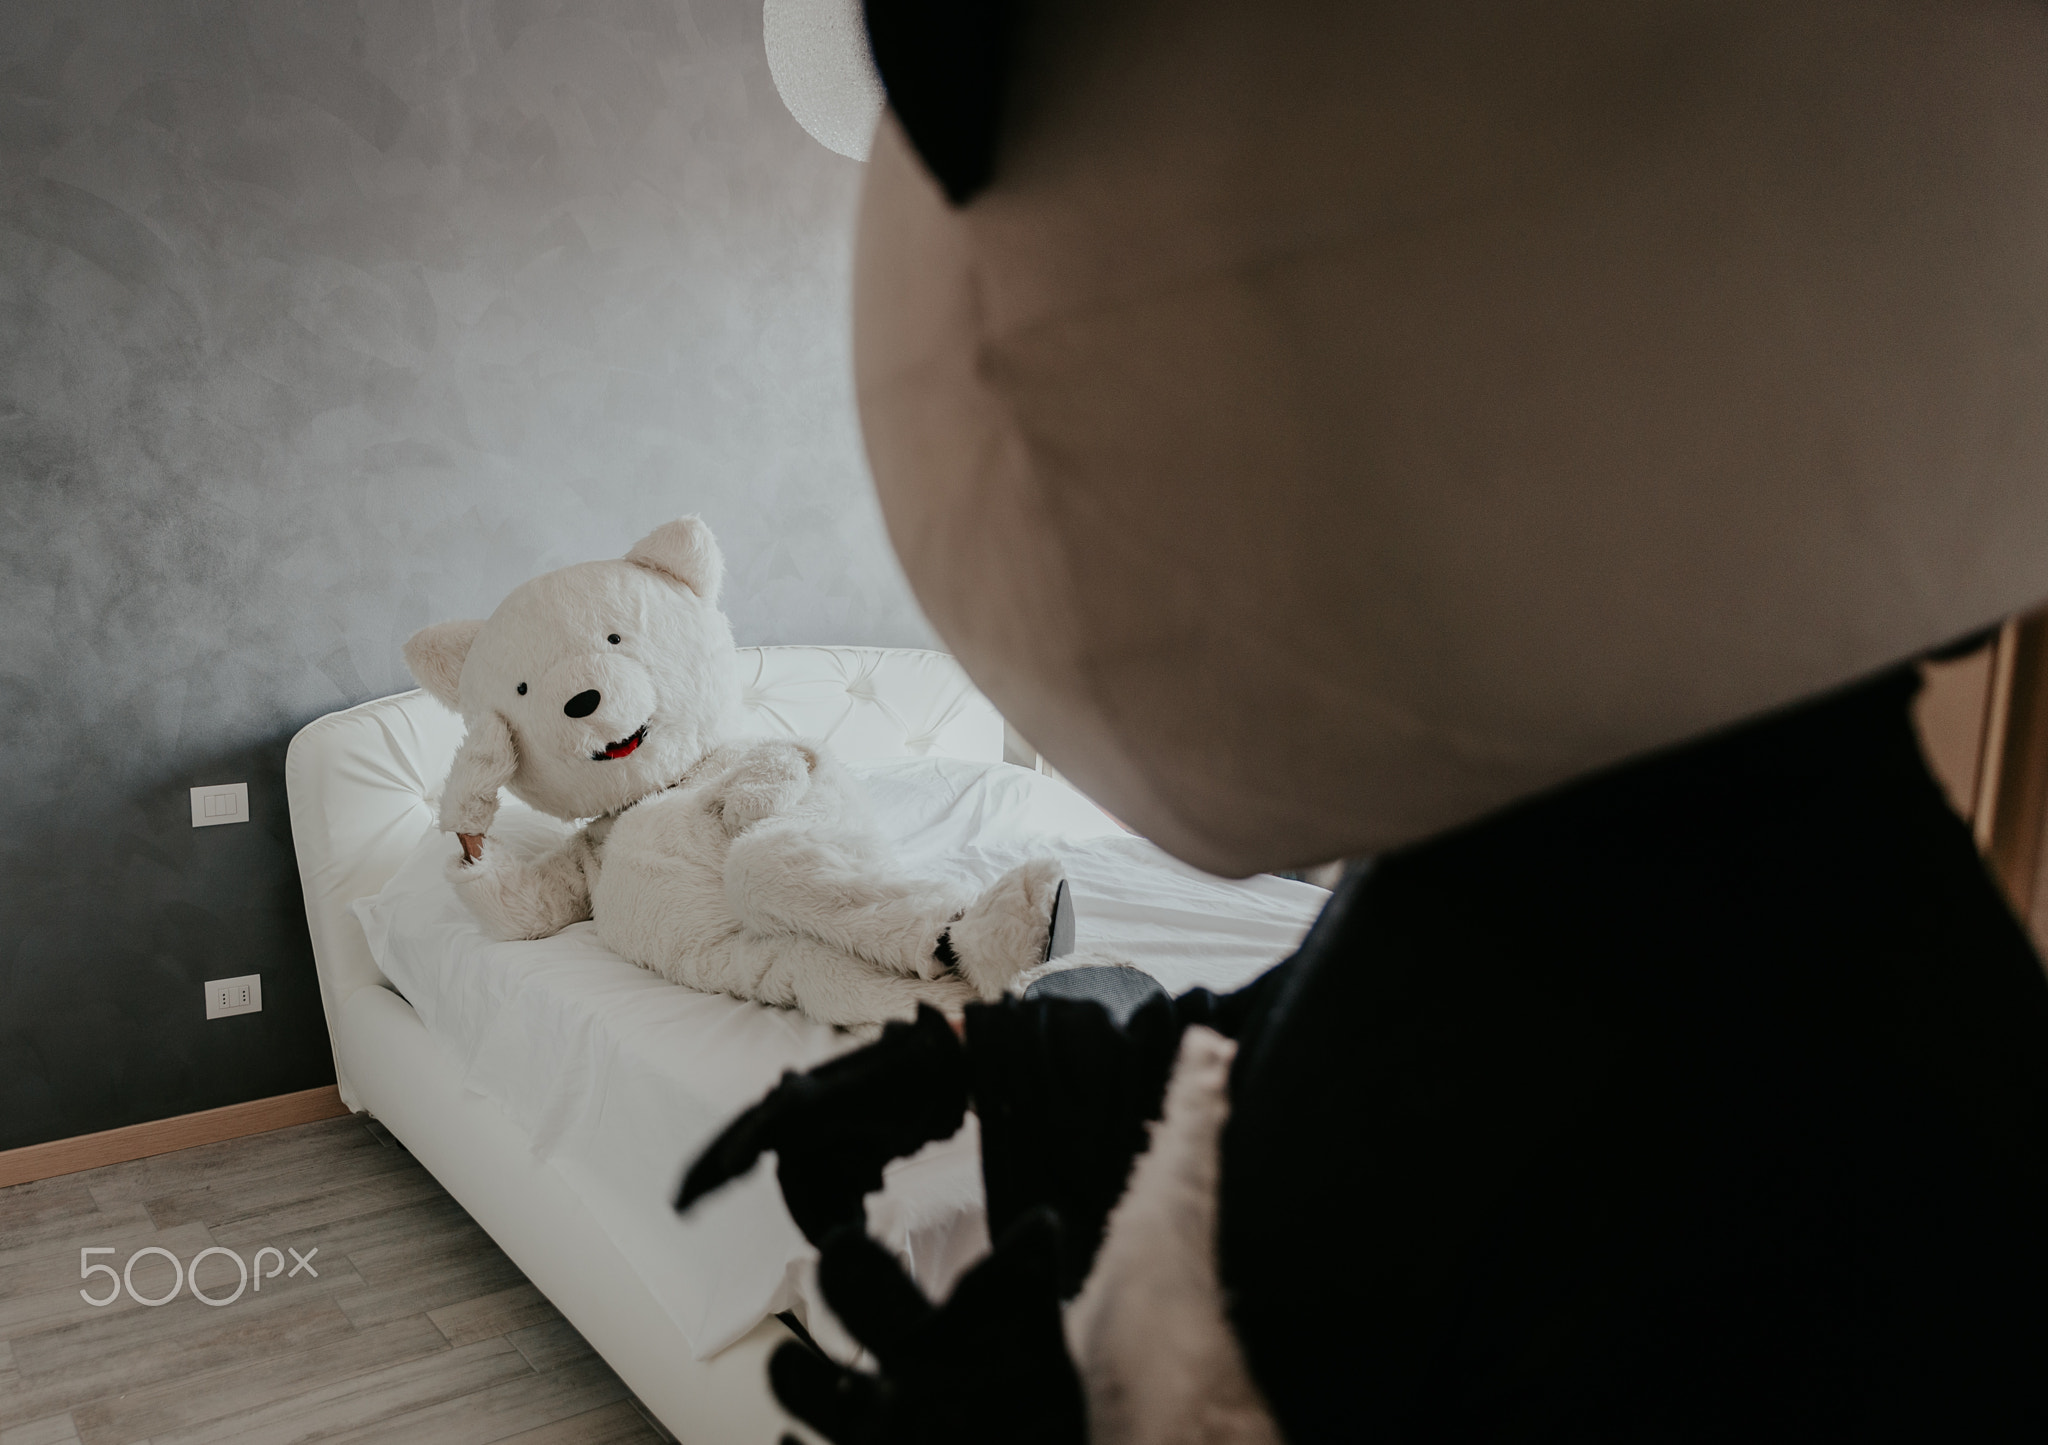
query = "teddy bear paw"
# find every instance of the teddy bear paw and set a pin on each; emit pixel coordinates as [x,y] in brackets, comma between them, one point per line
[464,871]
[1006,930]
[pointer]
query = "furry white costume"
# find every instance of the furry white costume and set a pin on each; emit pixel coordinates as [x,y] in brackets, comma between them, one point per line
[607,691]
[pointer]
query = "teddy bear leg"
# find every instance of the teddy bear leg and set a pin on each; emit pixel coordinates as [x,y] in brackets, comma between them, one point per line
[861,996]
[516,897]
[829,984]
[1006,930]
[794,880]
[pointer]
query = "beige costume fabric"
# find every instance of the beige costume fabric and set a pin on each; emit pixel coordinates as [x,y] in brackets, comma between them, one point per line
[1305,477]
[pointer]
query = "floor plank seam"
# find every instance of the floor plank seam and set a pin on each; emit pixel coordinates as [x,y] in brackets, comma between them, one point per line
[414,1327]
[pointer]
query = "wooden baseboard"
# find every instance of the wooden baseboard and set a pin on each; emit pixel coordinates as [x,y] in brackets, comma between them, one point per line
[140,1141]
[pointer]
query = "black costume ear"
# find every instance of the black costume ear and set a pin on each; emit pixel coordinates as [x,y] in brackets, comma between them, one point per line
[945,65]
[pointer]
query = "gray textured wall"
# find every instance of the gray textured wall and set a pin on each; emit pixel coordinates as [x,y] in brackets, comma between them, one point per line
[320,321]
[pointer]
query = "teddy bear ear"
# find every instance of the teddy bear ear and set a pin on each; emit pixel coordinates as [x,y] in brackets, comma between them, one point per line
[683,551]
[435,656]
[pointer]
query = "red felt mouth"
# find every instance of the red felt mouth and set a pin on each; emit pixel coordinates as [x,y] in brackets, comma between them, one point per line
[622,747]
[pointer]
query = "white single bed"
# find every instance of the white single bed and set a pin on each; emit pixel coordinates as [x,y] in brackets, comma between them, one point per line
[557,1090]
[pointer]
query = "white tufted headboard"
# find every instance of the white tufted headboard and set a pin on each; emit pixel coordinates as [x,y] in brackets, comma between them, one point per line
[359,781]
[869,702]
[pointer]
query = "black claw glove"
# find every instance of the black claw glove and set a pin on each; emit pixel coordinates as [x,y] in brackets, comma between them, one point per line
[989,1366]
[1064,1095]
[833,1128]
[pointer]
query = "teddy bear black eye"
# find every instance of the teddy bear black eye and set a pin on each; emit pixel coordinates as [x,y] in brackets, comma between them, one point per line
[522,689]
[613,639]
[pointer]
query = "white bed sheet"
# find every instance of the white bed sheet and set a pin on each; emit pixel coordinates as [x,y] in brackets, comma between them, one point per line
[619,1076]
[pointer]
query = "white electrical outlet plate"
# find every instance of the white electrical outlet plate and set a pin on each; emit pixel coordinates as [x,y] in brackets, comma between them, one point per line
[225,996]
[222,803]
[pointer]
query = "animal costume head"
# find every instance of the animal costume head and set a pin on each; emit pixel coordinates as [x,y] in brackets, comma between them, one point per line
[589,687]
[1321,425]
[1317,425]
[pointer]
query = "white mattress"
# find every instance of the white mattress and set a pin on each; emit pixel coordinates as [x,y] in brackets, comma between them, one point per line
[619,1077]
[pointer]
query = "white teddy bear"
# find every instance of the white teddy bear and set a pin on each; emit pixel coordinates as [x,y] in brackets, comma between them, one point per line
[609,692]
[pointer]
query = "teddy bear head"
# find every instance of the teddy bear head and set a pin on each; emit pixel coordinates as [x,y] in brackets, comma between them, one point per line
[589,687]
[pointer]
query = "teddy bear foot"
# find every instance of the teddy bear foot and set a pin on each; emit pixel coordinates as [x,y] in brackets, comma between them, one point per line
[1017,924]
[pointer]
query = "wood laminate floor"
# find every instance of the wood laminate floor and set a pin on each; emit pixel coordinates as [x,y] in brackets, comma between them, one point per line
[416,1328]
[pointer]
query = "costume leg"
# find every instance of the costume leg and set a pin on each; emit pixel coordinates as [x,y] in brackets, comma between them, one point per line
[826,983]
[1008,929]
[515,897]
[796,880]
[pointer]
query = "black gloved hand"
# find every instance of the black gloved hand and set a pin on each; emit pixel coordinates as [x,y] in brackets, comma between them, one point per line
[833,1128]
[989,1366]
[1064,1095]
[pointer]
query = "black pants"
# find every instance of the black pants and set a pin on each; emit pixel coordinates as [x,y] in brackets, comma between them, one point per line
[1705,1100]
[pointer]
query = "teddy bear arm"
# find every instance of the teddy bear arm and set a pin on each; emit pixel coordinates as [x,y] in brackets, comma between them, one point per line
[484,763]
[768,780]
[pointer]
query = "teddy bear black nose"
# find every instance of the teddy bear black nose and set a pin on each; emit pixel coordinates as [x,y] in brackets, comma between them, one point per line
[583,704]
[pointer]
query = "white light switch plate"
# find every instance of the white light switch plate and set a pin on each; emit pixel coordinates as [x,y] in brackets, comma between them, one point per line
[222,803]
[225,996]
